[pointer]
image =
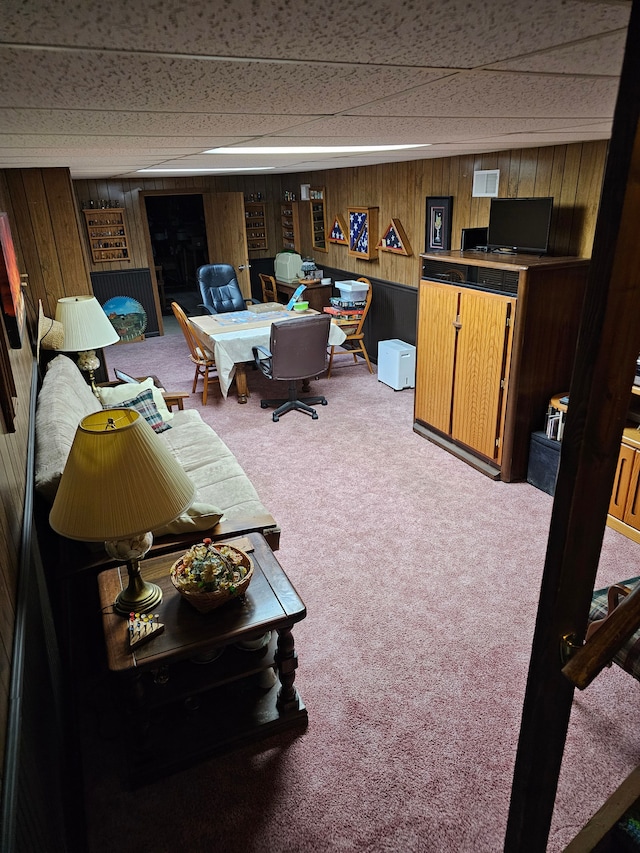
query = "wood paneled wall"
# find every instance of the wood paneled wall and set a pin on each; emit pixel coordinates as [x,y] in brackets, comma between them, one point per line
[572,174]
[13,456]
[46,231]
[52,247]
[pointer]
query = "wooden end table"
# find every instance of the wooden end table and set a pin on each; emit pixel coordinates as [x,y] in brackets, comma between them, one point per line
[317,294]
[182,707]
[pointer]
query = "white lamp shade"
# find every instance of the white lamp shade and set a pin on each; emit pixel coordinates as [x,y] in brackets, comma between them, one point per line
[120,480]
[86,326]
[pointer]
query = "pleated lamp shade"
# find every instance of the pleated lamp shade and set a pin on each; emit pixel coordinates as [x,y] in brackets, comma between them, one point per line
[86,326]
[120,480]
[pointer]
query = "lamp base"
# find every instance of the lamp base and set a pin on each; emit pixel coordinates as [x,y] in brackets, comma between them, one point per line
[89,362]
[140,596]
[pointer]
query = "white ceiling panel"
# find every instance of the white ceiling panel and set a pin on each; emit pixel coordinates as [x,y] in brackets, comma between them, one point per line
[106,90]
[496,93]
[141,124]
[600,55]
[396,32]
[111,81]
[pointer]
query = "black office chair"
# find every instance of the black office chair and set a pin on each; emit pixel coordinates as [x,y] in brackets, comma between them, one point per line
[297,350]
[220,289]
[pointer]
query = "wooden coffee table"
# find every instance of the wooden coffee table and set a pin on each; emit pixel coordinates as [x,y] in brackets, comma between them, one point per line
[185,703]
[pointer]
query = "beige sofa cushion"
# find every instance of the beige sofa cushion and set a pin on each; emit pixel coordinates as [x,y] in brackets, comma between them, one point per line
[223,490]
[64,400]
[217,474]
[197,518]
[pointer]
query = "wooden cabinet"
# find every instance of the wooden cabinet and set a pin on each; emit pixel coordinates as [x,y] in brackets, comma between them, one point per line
[319,236]
[624,507]
[464,341]
[295,223]
[107,232]
[256,224]
[495,340]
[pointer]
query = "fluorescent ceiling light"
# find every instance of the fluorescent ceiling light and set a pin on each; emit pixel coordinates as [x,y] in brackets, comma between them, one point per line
[228,169]
[314,149]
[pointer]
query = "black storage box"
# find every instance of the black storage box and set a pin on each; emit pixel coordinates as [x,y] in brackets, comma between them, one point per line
[544,458]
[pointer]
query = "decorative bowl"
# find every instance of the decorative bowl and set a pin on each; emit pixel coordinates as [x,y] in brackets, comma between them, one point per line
[209,575]
[300,306]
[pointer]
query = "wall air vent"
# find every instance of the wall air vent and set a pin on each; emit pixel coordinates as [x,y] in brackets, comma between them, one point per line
[485,183]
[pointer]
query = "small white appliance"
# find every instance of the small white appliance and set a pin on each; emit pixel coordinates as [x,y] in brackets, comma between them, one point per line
[397,364]
[287,267]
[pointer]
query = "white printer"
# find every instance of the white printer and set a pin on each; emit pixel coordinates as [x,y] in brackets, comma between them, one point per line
[287,267]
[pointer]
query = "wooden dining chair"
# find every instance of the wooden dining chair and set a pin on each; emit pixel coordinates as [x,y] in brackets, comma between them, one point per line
[199,355]
[269,287]
[354,342]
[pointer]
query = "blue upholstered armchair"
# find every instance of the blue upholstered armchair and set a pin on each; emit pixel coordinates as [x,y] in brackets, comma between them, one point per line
[220,289]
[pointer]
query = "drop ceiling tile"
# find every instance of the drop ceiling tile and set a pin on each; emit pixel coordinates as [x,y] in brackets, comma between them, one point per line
[368,130]
[144,83]
[134,123]
[99,145]
[363,31]
[601,55]
[492,93]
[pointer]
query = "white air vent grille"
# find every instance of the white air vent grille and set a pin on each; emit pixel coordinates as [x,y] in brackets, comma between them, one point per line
[485,183]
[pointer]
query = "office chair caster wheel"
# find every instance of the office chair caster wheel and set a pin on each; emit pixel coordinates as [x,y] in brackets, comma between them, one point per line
[264,405]
[276,418]
[325,402]
[314,416]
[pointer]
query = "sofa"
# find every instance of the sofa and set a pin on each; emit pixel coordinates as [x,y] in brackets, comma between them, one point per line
[226,503]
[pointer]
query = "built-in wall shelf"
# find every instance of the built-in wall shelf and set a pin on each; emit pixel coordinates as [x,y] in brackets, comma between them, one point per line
[256,224]
[107,231]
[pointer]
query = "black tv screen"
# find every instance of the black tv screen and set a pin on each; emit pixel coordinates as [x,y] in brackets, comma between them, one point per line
[520,224]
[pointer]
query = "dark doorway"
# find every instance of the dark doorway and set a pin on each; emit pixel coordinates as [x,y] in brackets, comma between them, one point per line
[179,243]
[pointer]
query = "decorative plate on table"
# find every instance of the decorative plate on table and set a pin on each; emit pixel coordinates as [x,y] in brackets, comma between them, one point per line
[127,316]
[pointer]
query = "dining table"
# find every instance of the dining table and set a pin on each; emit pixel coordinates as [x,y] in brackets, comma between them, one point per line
[232,335]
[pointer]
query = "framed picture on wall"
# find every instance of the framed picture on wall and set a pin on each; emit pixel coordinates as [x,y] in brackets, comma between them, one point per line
[11,297]
[438,223]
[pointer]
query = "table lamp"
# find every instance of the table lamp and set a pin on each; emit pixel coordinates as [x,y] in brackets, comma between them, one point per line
[120,481]
[86,329]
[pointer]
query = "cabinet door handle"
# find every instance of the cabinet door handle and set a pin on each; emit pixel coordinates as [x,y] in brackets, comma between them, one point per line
[456,323]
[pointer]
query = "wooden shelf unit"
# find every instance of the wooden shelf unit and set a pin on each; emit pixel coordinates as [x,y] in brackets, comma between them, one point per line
[255,213]
[107,231]
[495,340]
[295,222]
[319,234]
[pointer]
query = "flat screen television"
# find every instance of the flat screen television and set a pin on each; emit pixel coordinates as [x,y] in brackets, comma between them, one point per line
[520,225]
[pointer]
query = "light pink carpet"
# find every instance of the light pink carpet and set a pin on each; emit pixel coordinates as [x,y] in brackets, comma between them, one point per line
[421,580]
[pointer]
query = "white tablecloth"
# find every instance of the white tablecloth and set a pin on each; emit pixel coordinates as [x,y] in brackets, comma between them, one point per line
[235,345]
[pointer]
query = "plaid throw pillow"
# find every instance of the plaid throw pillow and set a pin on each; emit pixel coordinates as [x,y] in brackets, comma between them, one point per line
[144,405]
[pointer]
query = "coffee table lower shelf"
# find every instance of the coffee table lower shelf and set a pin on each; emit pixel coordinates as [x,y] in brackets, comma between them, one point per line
[180,735]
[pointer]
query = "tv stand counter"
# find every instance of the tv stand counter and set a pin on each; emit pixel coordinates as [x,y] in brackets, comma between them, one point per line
[505,260]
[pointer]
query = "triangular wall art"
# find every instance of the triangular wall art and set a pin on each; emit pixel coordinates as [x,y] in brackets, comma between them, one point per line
[395,240]
[338,233]
[363,222]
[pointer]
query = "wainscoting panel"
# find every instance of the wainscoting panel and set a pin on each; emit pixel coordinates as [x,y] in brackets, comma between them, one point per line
[135,283]
[392,314]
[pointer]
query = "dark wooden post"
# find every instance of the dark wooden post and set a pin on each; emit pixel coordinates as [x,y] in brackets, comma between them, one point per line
[608,346]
